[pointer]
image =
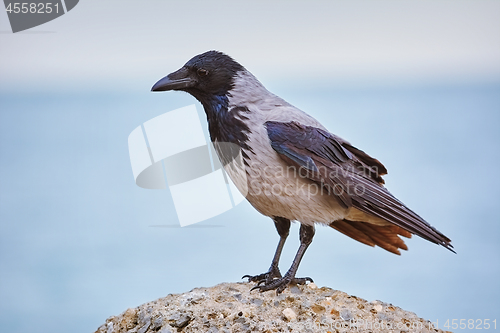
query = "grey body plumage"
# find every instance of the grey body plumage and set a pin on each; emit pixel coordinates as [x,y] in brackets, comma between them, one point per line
[295,169]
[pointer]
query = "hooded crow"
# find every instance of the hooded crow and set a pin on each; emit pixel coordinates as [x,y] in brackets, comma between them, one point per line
[296,170]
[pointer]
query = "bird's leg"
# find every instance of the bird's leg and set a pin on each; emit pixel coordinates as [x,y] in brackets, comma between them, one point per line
[306,236]
[283,227]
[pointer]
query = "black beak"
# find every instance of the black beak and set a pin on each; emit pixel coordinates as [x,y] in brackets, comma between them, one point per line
[178,80]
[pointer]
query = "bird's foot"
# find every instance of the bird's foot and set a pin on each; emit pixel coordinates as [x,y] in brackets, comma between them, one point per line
[265,278]
[280,284]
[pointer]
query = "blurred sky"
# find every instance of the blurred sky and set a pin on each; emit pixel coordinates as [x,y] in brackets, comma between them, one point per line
[124,42]
[414,83]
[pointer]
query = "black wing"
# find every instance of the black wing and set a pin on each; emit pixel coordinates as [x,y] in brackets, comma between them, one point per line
[354,178]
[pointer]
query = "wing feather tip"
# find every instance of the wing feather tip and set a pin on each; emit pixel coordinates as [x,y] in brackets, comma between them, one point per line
[449,247]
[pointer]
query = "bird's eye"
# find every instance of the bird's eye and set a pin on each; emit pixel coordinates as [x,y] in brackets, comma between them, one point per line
[202,72]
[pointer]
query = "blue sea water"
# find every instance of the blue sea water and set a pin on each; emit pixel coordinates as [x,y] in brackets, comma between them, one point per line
[79,240]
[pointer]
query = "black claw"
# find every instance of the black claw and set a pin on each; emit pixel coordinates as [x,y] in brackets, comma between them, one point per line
[255,278]
[261,282]
[266,278]
[280,284]
[302,280]
[280,289]
[256,287]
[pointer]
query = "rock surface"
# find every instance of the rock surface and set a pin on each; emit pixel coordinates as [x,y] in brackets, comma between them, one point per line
[231,307]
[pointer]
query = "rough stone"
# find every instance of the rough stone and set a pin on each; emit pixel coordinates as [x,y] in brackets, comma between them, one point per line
[231,307]
[289,314]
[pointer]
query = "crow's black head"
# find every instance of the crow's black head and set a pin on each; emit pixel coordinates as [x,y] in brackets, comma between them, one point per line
[209,73]
[209,77]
